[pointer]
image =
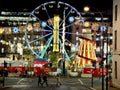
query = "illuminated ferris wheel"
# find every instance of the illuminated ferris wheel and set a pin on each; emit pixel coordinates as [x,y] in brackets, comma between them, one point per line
[51,27]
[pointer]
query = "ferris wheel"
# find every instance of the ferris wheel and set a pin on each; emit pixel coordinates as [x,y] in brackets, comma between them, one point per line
[52,27]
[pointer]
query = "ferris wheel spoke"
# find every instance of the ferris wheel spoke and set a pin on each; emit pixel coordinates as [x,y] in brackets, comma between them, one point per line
[49,27]
[35,16]
[68,41]
[46,30]
[47,45]
[71,33]
[67,26]
[40,38]
[40,20]
[48,15]
[77,34]
[65,17]
[65,52]
[71,44]
[31,48]
[65,39]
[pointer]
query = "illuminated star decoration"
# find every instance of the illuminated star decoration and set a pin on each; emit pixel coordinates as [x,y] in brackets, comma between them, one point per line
[15,30]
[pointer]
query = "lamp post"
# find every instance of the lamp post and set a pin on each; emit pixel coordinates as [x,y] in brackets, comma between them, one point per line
[63,37]
[103,30]
[107,76]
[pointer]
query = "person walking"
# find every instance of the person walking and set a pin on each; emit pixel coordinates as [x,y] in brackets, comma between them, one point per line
[39,80]
[44,80]
[58,83]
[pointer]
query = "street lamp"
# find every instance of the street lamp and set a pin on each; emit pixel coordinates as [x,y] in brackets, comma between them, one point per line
[63,43]
[103,31]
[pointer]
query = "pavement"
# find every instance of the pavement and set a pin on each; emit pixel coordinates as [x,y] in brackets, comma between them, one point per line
[109,88]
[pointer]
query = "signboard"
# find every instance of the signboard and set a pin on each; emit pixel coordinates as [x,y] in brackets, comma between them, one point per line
[95,72]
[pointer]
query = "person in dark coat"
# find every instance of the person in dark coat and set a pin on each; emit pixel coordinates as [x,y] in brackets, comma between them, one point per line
[1,72]
[44,80]
[39,80]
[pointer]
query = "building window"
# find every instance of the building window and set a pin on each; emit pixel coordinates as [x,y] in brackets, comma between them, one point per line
[116,7]
[115,39]
[2,50]
[115,70]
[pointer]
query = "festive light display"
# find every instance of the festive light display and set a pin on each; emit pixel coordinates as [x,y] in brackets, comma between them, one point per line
[86,53]
[56,34]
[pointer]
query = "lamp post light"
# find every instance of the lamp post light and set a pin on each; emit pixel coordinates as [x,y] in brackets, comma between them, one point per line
[103,31]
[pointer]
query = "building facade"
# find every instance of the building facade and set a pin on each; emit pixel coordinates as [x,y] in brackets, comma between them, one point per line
[116,43]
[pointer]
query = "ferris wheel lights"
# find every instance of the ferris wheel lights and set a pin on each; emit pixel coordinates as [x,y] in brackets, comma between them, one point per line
[50,6]
[36,12]
[77,18]
[72,11]
[58,6]
[43,8]
[71,19]
[43,24]
[66,8]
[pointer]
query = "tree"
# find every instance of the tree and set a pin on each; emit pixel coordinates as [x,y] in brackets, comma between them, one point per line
[54,58]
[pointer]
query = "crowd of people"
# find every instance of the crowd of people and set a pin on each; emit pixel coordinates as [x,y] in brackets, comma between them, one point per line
[43,80]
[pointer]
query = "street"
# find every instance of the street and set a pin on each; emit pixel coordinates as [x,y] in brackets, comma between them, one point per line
[68,83]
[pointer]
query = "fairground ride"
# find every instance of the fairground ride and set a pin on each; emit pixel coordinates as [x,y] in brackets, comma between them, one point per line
[55,21]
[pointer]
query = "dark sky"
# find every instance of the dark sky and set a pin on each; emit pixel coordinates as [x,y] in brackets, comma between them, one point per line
[32,4]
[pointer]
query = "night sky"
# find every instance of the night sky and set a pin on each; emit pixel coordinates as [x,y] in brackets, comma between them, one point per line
[32,4]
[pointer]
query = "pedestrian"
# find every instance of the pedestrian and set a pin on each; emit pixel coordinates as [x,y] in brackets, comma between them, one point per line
[16,70]
[45,81]
[26,73]
[1,72]
[39,80]
[58,80]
